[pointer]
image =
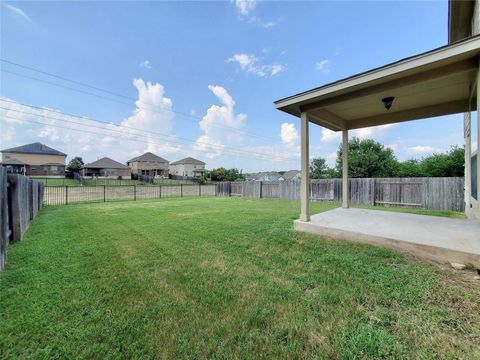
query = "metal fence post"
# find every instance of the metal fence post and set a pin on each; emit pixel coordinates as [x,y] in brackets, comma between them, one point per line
[66,195]
[160,191]
[181,190]
[199,190]
[104,193]
[134,192]
[261,184]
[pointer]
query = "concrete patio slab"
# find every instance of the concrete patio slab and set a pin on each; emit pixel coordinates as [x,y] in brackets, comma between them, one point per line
[431,237]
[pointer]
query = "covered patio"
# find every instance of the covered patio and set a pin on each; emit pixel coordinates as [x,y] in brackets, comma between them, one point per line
[439,82]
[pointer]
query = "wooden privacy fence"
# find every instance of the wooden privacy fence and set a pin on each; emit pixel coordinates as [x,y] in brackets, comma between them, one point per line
[425,193]
[20,200]
[64,195]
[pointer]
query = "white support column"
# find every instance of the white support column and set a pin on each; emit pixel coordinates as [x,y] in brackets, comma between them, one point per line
[467,127]
[477,210]
[305,163]
[345,202]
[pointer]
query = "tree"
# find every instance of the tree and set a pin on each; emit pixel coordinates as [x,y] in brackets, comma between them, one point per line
[410,168]
[444,165]
[368,158]
[318,168]
[203,179]
[75,164]
[222,174]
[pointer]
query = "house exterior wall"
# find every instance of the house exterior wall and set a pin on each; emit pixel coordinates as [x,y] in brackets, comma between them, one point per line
[45,170]
[35,163]
[186,169]
[35,159]
[472,132]
[476,19]
[151,168]
[107,173]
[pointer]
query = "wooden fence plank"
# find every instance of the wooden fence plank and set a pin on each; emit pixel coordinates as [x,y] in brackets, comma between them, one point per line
[4,228]
[426,193]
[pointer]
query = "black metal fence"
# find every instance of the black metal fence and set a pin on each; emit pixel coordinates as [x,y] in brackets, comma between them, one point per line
[64,195]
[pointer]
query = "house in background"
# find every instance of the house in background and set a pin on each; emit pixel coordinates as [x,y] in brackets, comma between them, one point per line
[34,159]
[106,168]
[188,167]
[291,175]
[263,176]
[149,164]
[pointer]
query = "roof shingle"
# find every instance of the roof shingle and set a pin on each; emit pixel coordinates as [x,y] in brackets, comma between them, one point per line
[105,163]
[189,161]
[34,148]
[148,156]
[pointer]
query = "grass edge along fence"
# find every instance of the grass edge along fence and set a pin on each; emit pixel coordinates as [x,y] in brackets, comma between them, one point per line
[20,200]
[429,193]
[423,193]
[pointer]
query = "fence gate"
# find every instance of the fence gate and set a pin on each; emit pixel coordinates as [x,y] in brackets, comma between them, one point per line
[399,192]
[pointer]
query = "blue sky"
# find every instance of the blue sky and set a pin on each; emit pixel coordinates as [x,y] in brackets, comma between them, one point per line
[199,78]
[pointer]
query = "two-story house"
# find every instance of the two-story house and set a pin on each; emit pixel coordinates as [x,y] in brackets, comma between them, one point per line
[188,167]
[34,159]
[149,164]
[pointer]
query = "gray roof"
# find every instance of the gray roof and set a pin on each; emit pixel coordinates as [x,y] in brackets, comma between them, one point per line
[290,174]
[12,162]
[34,148]
[189,161]
[148,156]
[105,163]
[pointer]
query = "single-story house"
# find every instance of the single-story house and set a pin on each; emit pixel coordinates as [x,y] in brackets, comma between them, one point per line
[149,164]
[34,159]
[188,167]
[291,175]
[106,168]
[263,176]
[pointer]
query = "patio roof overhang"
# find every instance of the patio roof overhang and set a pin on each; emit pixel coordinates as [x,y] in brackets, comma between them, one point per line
[431,84]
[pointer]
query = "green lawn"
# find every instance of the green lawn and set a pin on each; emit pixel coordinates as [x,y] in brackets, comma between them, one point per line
[174,182]
[222,278]
[56,181]
[101,182]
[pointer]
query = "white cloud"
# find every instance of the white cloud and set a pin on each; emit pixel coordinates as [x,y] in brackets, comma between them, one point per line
[246,11]
[145,64]
[245,7]
[289,134]
[84,137]
[50,133]
[251,64]
[246,62]
[7,134]
[323,66]
[17,11]
[220,125]
[329,136]
[422,149]
[393,147]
